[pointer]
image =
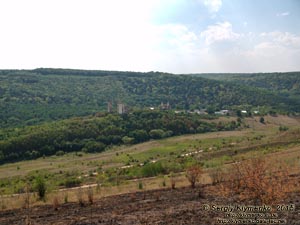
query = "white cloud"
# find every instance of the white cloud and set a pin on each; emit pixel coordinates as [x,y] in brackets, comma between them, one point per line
[270,56]
[283,14]
[282,38]
[213,5]
[273,51]
[120,35]
[96,34]
[248,52]
[219,32]
[175,35]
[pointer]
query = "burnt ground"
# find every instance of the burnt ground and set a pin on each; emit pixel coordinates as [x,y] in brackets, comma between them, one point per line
[164,206]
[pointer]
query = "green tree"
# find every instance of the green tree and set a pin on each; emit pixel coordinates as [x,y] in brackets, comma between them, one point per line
[262,120]
[140,135]
[157,134]
[40,187]
[239,113]
[127,140]
[93,146]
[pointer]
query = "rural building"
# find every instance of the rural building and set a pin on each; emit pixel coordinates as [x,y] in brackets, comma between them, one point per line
[121,108]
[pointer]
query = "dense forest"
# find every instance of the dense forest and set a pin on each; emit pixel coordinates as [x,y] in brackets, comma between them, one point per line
[289,81]
[96,133]
[284,84]
[29,97]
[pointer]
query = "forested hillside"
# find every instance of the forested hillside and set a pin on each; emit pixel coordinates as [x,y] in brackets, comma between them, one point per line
[95,133]
[30,97]
[287,84]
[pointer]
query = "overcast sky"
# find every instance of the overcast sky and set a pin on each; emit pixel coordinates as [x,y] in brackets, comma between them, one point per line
[177,36]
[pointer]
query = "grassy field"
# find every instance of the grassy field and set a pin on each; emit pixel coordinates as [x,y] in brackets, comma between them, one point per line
[121,169]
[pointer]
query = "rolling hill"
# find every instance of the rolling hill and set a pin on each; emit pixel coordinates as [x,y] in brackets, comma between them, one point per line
[29,97]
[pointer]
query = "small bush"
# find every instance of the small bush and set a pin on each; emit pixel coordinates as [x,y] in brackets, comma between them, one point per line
[262,120]
[90,195]
[55,203]
[283,128]
[153,169]
[140,185]
[66,197]
[193,174]
[40,187]
[72,182]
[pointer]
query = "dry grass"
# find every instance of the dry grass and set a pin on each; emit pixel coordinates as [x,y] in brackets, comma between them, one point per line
[55,202]
[80,197]
[216,175]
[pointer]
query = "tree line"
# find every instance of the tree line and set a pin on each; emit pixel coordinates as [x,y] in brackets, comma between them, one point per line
[96,133]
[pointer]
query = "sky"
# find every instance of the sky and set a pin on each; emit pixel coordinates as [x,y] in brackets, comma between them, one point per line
[175,36]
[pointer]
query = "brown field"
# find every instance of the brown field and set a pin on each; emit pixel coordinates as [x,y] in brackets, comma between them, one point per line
[162,206]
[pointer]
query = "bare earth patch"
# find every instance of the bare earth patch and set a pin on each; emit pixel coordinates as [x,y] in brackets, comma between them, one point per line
[164,206]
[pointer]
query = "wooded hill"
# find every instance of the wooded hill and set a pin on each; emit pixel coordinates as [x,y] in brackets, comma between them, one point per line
[29,97]
[284,84]
[96,133]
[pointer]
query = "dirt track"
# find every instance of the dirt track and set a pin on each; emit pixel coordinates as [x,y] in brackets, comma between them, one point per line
[179,206]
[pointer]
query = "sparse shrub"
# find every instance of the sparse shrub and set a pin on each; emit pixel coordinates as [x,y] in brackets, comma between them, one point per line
[26,204]
[140,185]
[173,180]
[80,197]
[193,174]
[72,182]
[3,204]
[66,197]
[98,187]
[216,175]
[283,128]
[157,196]
[255,180]
[55,203]
[90,195]
[164,182]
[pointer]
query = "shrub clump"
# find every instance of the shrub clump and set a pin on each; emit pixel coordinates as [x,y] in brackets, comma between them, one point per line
[257,181]
[40,187]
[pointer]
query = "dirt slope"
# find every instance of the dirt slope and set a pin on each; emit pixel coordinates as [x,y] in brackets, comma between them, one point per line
[165,206]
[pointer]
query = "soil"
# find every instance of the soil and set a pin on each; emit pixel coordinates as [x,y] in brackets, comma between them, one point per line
[164,206]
